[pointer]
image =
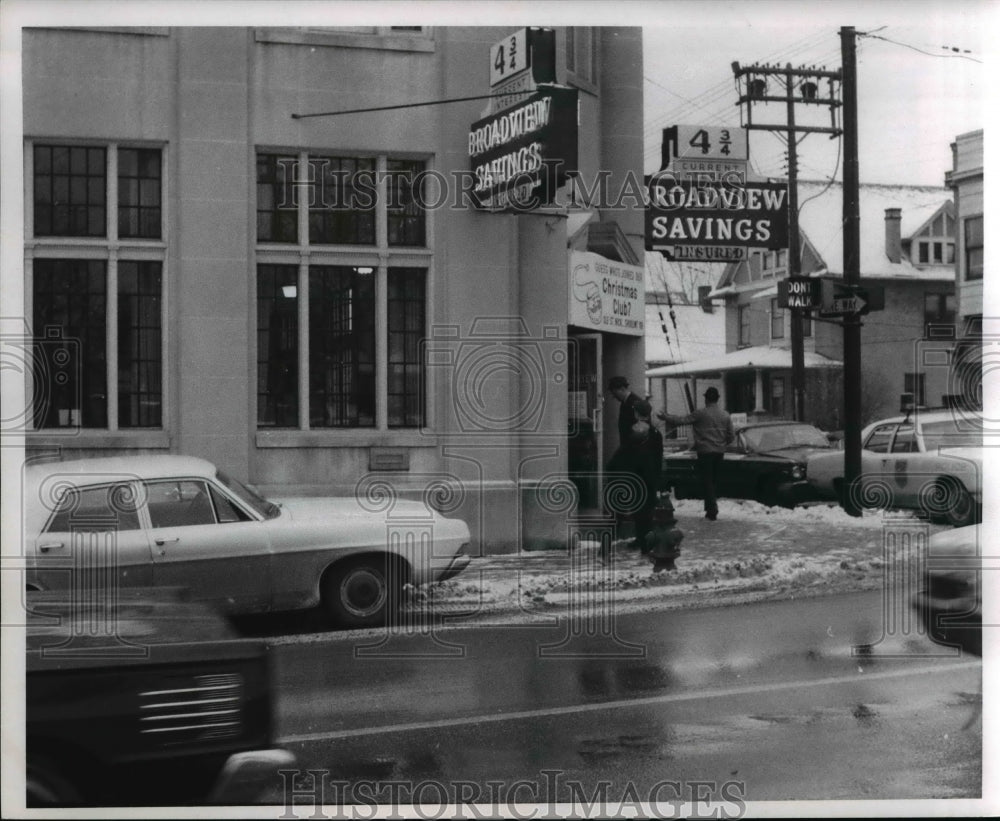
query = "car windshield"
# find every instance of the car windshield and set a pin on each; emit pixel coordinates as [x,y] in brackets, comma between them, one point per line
[950,434]
[269,510]
[779,437]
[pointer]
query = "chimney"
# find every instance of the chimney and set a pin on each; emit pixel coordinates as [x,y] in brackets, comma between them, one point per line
[893,238]
[703,300]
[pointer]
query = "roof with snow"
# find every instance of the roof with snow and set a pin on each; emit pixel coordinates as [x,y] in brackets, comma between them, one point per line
[755,357]
[821,218]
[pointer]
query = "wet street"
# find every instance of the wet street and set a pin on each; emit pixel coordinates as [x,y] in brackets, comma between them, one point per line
[825,698]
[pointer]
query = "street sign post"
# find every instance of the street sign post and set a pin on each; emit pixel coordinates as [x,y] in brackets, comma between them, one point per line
[799,292]
[841,299]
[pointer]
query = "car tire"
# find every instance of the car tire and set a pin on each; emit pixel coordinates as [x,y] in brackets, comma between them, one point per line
[962,508]
[361,592]
[45,786]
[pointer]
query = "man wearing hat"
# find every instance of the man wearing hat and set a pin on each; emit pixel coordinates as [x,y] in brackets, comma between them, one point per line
[618,388]
[713,431]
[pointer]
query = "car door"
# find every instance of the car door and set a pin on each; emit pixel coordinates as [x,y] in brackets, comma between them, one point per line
[736,478]
[204,541]
[874,461]
[93,542]
[899,467]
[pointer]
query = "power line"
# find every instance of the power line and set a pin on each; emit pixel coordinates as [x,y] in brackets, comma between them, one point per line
[954,49]
[723,87]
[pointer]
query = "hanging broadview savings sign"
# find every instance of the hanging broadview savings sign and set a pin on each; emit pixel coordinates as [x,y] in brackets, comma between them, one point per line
[522,155]
[715,220]
[605,295]
[702,207]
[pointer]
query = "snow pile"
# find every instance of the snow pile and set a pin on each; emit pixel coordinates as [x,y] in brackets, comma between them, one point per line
[826,513]
[752,551]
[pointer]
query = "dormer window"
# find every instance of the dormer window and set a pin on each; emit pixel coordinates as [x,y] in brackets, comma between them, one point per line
[935,243]
[935,252]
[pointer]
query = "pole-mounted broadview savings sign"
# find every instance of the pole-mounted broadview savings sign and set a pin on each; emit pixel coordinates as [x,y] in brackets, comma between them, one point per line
[701,205]
[715,220]
[527,147]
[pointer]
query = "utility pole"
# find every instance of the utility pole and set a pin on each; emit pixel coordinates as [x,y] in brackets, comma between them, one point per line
[852,273]
[754,90]
[795,257]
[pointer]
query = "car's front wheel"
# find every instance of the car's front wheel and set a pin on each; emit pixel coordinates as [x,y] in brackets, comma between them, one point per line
[962,509]
[361,592]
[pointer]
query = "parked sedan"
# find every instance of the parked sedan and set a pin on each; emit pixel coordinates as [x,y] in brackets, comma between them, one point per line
[931,461]
[765,463]
[175,521]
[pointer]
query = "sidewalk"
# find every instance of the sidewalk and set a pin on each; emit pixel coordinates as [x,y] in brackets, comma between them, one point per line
[750,553]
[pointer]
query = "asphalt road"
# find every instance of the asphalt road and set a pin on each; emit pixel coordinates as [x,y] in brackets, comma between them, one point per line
[838,697]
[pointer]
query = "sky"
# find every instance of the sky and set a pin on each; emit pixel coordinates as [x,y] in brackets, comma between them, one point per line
[914,95]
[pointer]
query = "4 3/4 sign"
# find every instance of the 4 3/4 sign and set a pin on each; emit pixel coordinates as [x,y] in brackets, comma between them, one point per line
[509,57]
[529,49]
[704,142]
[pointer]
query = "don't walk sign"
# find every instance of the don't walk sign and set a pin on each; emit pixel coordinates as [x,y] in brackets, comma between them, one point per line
[830,297]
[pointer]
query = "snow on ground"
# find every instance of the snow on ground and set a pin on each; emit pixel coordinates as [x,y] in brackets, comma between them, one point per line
[752,552]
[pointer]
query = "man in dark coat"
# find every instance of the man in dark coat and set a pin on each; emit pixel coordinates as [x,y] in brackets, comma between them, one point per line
[618,388]
[641,457]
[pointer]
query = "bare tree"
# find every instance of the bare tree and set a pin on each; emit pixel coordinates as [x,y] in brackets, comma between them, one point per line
[682,278]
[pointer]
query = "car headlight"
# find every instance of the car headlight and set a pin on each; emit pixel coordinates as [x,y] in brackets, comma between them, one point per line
[798,472]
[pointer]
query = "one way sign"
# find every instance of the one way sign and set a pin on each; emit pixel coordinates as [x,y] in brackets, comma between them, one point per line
[841,299]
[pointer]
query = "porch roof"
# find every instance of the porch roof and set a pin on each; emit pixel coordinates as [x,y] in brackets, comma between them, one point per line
[760,356]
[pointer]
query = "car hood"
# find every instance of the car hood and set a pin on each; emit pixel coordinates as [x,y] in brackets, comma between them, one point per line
[797,454]
[345,507]
[972,453]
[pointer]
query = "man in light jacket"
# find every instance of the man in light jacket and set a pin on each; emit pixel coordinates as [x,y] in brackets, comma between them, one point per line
[713,432]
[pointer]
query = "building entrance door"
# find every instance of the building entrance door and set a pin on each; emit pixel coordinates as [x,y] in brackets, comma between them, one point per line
[585,442]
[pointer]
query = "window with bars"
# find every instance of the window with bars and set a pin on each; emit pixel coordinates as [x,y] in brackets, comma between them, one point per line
[406,217]
[406,323]
[70,195]
[70,375]
[91,207]
[341,347]
[139,193]
[277,346]
[342,210]
[277,217]
[140,340]
[356,362]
